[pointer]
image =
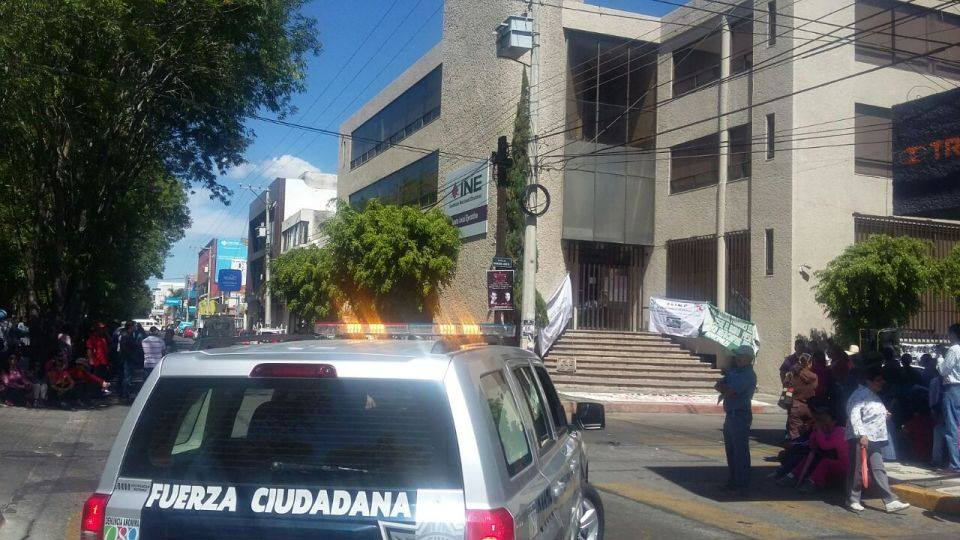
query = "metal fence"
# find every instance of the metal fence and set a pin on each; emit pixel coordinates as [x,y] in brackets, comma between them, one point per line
[939,309]
[738,274]
[692,269]
[607,283]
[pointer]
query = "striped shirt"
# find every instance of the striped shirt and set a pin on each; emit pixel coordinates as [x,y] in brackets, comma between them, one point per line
[153,350]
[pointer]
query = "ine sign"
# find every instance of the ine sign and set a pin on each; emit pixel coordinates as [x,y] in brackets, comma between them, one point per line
[465,196]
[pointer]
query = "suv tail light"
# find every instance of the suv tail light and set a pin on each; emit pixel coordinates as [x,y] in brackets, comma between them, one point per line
[294,371]
[494,524]
[94,511]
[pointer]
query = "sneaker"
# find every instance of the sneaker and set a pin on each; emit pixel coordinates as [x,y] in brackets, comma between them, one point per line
[896,506]
[856,507]
[787,480]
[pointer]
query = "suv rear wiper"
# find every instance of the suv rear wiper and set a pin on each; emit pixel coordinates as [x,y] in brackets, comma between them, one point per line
[307,467]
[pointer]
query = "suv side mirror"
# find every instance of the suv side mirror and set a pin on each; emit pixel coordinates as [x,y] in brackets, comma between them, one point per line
[590,416]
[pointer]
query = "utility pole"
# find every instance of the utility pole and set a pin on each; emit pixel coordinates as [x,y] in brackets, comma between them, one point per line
[267,302]
[724,160]
[528,310]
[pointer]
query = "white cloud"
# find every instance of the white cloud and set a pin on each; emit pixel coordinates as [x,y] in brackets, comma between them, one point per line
[285,166]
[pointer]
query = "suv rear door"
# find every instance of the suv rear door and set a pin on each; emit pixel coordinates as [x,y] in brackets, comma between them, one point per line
[556,451]
[331,458]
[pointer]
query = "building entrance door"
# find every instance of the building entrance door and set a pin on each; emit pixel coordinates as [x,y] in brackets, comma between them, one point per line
[607,285]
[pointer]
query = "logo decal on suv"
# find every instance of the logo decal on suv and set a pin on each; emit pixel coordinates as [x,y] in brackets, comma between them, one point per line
[121,528]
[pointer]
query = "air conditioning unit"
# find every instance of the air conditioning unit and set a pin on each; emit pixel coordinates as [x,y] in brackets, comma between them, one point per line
[514,36]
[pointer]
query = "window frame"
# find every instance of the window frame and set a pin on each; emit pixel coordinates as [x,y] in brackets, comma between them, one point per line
[863,165]
[546,444]
[746,149]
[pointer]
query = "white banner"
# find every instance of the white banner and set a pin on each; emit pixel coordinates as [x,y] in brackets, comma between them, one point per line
[559,311]
[676,317]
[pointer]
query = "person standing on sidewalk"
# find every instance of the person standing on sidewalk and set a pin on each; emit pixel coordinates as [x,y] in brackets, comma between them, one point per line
[867,429]
[153,350]
[949,368]
[736,390]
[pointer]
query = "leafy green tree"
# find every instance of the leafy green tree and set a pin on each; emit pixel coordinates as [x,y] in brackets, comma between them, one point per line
[110,110]
[300,279]
[876,284]
[389,262]
[950,274]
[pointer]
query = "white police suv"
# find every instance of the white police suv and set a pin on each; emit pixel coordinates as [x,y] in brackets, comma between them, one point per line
[427,437]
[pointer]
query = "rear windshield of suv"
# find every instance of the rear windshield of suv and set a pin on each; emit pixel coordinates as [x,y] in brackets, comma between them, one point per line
[331,431]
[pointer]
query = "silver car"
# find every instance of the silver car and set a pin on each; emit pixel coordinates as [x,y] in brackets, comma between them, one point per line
[349,439]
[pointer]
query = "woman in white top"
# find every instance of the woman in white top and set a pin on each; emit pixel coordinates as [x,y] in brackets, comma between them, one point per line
[867,428]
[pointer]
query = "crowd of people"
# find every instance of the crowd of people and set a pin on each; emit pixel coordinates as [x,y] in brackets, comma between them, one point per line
[86,368]
[848,412]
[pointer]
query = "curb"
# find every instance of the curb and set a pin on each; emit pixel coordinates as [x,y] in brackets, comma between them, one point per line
[928,499]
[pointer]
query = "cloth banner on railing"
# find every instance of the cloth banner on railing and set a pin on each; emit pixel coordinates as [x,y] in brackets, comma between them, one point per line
[676,317]
[559,312]
[729,331]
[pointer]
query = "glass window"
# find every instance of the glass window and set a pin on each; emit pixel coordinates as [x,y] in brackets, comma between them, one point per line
[506,418]
[410,111]
[415,185]
[535,404]
[738,164]
[741,46]
[557,411]
[695,163]
[696,65]
[771,135]
[333,431]
[888,31]
[611,90]
[771,23]
[873,141]
[768,243]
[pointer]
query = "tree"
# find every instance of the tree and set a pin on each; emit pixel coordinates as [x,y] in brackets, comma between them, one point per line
[950,274]
[300,279]
[876,284]
[389,262]
[110,110]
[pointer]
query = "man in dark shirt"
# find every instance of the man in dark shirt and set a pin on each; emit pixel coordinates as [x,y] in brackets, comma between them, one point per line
[131,359]
[736,390]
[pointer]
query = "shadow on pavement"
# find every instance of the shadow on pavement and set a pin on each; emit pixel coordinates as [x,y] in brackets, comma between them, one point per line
[708,482]
[770,437]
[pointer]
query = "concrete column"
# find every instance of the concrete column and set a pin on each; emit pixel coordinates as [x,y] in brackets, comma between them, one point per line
[722,90]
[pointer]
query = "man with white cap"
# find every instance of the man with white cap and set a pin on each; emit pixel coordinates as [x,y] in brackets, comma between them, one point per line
[736,390]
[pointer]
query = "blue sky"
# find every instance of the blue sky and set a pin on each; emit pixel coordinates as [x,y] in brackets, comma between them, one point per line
[335,89]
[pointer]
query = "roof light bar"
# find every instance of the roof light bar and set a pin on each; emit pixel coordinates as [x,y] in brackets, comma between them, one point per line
[413,329]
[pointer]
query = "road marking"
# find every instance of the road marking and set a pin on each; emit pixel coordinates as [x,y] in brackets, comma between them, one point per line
[703,512]
[72,531]
[833,517]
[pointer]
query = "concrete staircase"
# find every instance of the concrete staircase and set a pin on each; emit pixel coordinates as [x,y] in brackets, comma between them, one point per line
[640,362]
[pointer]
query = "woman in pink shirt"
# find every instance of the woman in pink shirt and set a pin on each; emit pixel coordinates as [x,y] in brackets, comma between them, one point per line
[829,454]
[17,384]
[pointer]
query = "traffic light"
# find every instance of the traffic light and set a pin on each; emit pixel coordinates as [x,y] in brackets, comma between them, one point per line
[502,160]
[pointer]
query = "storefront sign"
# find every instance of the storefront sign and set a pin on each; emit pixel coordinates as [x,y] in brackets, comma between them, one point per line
[229,280]
[676,317]
[500,290]
[464,196]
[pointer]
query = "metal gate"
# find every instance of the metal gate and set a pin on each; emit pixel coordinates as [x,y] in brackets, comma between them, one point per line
[607,284]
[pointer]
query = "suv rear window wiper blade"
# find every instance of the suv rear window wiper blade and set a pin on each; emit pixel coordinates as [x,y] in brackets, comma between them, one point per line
[308,467]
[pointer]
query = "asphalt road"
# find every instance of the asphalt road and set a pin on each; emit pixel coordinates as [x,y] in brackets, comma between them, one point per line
[657,474]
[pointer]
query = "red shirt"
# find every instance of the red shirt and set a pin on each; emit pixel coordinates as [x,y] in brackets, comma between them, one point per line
[82,376]
[97,350]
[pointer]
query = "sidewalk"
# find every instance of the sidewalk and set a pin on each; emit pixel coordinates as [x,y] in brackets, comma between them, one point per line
[633,402]
[926,488]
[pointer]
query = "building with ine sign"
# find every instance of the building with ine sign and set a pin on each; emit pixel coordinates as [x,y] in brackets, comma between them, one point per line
[724,152]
